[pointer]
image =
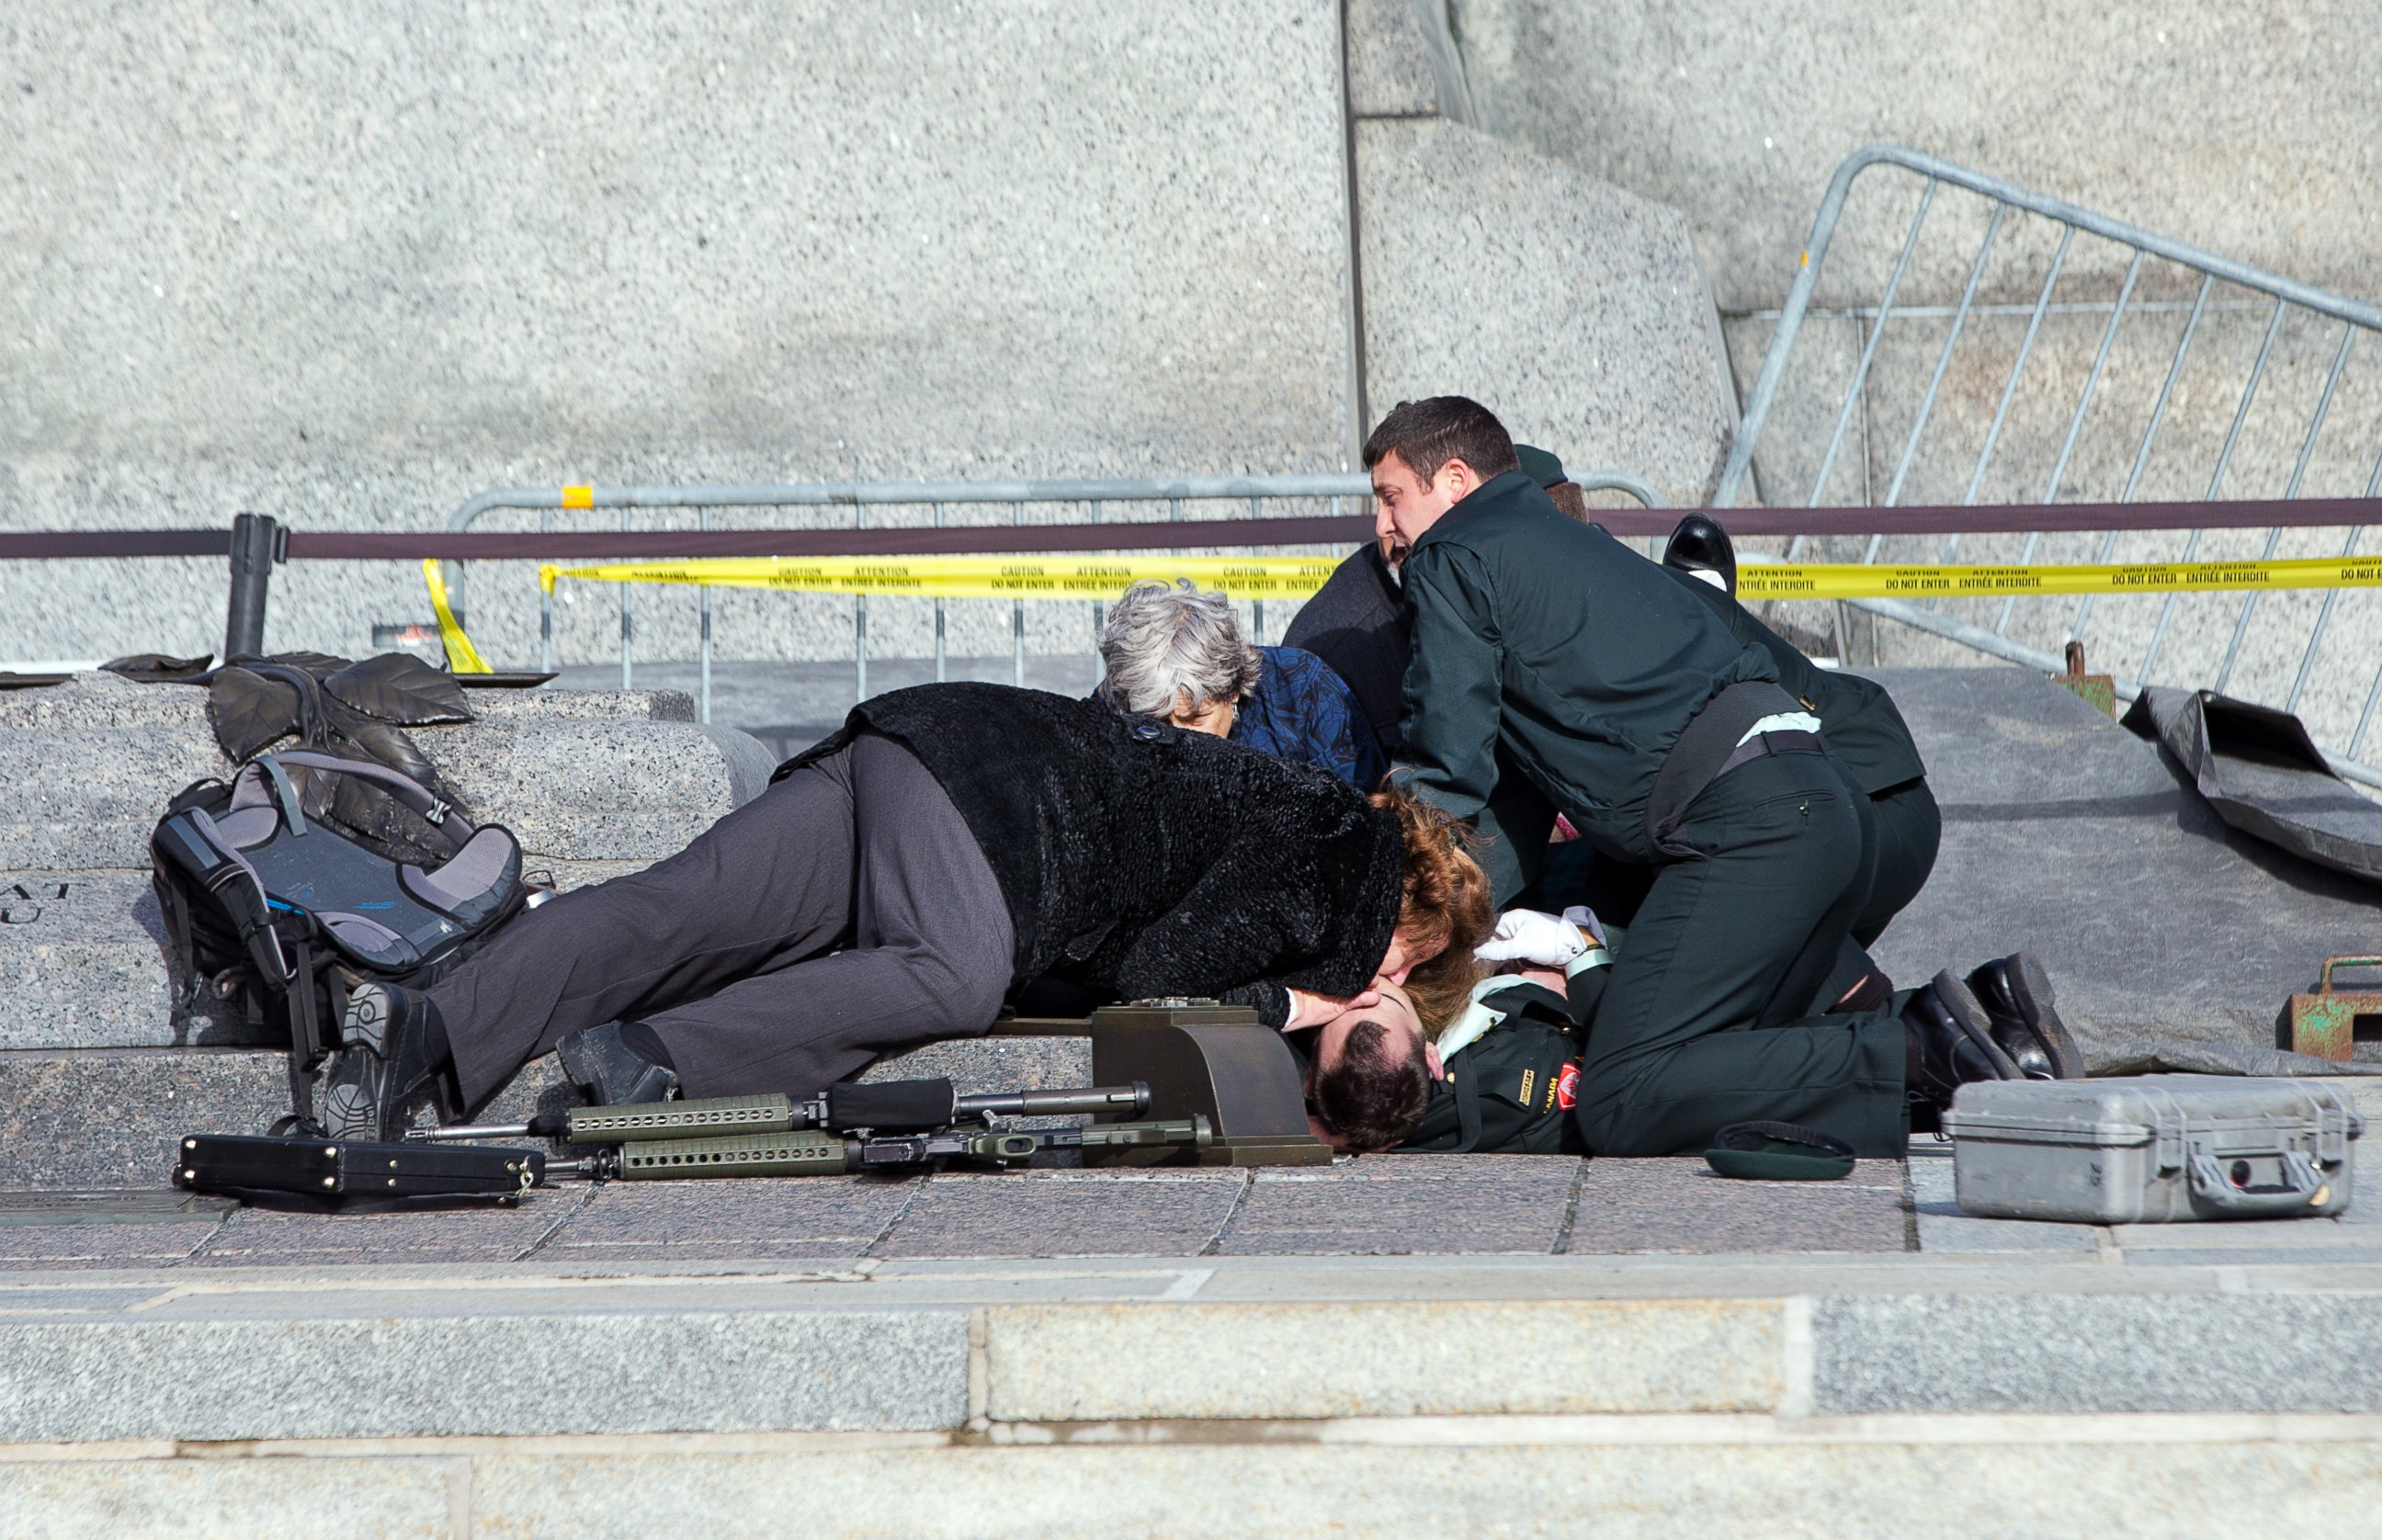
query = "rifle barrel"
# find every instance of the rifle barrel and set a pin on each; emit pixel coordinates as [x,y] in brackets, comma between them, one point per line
[1124,1101]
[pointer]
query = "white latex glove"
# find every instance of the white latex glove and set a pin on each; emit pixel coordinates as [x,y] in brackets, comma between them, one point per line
[1529,935]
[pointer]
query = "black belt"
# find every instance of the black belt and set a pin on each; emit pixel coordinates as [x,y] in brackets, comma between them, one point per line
[1705,750]
[1783,740]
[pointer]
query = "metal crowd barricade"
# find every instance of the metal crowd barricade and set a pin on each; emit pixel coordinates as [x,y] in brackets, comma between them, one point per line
[2281,296]
[861,496]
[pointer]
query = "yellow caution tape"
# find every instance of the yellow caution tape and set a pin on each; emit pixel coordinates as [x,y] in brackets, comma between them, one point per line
[1786,580]
[1299,577]
[461,656]
[974,577]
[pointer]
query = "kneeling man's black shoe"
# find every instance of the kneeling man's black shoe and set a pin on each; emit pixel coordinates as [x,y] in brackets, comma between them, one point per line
[1700,546]
[392,1058]
[1948,1038]
[602,1064]
[2016,993]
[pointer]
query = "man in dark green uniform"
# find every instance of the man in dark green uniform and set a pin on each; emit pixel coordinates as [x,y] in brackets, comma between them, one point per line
[1857,716]
[1623,699]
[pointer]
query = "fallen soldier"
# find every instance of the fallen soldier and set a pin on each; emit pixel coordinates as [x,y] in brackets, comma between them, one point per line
[897,880]
[1508,1075]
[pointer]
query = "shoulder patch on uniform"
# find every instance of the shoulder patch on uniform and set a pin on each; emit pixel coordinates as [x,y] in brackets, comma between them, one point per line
[1567,1087]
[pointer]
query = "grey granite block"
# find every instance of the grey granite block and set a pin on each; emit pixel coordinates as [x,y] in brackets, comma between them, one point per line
[1390,67]
[368,1498]
[2083,1352]
[83,965]
[1366,1359]
[89,797]
[1602,346]
[1684,1205]
[980,1065]
[594,789]
[1404,1205]
[701,362]
[109,1117]
[1066,1214]
[650,1371]
[679,1221]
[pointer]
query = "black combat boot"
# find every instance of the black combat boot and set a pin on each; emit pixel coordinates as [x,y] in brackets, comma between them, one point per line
[1700,546]
[1949,1041]
[392,1058]
[2016,993]
[606,1064]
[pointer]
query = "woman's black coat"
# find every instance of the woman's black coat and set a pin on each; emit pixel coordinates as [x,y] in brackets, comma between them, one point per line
[1140,860]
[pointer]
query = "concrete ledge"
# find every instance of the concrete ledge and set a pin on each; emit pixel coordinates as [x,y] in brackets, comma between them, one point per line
[1081,1363]
[1650,1477]
[637,1373]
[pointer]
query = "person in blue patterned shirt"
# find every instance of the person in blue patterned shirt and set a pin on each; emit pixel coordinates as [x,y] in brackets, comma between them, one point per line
[1176,654]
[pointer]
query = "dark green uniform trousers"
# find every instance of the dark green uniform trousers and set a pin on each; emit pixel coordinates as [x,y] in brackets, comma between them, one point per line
[1910,828]
[1701,1023]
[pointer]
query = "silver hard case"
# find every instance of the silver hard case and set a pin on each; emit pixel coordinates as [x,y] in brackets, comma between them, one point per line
[2152,1149]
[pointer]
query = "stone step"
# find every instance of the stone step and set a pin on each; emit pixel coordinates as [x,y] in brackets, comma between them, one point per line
[83,962]
[107,1118]
[577,775]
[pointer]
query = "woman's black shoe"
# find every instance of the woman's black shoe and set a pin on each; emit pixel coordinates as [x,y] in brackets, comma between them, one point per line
[2016,993]
[392,1051]
[1700,546]
[1949,1041]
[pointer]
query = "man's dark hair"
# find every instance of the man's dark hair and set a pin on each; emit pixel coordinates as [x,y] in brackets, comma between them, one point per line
[1429,432]
[1374,1096]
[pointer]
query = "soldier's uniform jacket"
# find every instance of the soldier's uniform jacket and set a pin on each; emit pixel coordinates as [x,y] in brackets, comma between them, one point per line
[1511,1089]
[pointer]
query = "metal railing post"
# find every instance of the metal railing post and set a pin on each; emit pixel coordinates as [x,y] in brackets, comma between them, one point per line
[859,624]
[2275,535]
[2075,423]
[2009,387]
[1017,621]
[938,613]
[257,542]
[544,607]
[2150,434]
[628,622]
[703,641]
[2323,616]
[2216,481]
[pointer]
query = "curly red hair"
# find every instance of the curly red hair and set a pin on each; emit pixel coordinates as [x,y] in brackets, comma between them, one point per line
[1445,908]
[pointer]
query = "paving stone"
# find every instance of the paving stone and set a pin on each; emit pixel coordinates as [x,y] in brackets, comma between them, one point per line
[2255,1256]
[477,1233]
[1404,1205]
[2086,1352]
[1684,1205]
[1066,1214]
[45,1247]
[667,1221]
[1358,1359]
[2214,1235]
[1943,1227]
[977,1065]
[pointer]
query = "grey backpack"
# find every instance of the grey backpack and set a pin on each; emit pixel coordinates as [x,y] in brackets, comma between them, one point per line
[283,913]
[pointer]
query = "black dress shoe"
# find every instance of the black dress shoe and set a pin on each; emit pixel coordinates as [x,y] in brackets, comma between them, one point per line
[391,1059]
[611,1073]
[1700,546]
[1949,1041]
[2016,993]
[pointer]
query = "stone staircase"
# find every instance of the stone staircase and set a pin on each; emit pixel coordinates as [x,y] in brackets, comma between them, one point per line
[101,1069]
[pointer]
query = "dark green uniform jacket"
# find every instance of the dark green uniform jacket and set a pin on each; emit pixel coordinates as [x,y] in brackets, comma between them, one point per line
[1857,716]
[1512,1090]
[1555,645]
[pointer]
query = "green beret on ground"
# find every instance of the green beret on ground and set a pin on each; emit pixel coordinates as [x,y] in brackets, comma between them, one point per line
[1540,465]
[1779,1151]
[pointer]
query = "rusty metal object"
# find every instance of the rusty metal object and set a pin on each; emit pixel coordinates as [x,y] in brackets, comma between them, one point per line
[2324,1023]
[2097,690]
